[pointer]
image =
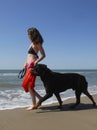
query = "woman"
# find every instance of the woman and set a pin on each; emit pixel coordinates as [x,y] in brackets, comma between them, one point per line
[32,59]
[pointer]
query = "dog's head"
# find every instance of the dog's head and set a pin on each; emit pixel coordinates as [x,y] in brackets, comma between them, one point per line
[39,69]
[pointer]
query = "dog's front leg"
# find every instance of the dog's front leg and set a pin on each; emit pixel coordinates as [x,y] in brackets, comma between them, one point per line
[48,95]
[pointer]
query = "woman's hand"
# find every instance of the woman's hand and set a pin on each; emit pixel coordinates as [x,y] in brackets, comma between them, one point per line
[35,62]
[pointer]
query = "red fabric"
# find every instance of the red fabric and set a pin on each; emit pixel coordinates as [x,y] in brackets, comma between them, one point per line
[29,80]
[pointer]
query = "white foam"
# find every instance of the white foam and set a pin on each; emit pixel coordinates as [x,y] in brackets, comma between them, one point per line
[17,98]
[8,74]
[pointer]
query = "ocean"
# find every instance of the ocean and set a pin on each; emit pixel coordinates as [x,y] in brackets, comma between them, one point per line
[13,96]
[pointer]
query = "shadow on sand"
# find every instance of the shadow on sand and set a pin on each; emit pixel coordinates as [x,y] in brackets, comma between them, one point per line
[66,107]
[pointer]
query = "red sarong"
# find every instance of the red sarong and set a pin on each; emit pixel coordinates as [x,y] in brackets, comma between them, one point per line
[29,80]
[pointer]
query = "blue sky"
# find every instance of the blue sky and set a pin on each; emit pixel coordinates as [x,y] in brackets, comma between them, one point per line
[69,29]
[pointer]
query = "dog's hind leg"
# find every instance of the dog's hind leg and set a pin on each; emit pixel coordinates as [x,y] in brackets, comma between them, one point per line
[59,99]
[77,94]
[90,97]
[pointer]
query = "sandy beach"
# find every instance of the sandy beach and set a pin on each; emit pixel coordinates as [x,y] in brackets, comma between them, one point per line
[84,117]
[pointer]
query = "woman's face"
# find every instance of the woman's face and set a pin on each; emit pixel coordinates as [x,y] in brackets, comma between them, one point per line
[29,36]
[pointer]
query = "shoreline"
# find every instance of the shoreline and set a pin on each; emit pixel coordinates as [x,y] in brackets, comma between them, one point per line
[48,103]
[48,117]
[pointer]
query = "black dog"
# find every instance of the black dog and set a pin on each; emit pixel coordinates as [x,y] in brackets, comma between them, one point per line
[55,83]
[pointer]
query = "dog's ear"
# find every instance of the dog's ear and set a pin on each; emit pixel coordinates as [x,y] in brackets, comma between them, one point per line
[35,65]
[44,66]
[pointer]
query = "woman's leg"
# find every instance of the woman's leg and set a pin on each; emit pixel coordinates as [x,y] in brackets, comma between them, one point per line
[37,95]
[32,93]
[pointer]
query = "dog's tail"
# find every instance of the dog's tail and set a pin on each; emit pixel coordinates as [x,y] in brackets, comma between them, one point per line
[83,83]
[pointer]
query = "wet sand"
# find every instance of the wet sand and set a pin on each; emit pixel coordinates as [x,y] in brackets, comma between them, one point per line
[84,117]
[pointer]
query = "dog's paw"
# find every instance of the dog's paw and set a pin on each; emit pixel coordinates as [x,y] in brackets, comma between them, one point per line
[94,104]
[59,107]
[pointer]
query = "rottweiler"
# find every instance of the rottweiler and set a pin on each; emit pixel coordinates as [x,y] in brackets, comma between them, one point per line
[55,83]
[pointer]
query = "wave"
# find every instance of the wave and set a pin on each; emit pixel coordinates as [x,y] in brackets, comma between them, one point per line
[8,74]
[17,98]
[13,96]
[8,85]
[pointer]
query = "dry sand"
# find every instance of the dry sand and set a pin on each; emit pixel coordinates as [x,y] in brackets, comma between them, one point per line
[84,117]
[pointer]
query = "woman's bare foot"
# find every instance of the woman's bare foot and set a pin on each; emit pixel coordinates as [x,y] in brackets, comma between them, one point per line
[37,104]
[29,108]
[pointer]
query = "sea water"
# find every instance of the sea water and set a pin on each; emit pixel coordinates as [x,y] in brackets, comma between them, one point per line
[13,96]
